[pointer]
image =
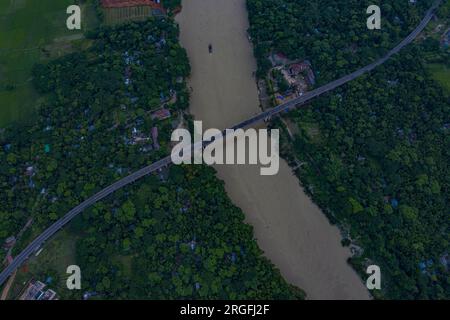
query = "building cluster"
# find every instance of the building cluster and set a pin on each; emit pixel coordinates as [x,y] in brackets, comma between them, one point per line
[36,291]
[129,60]
[30,172]
[298,74]
[148,142]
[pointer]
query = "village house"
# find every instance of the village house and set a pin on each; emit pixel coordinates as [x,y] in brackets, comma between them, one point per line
[161,114]
[29,171]
[297,69]
[36,291]
[137,137]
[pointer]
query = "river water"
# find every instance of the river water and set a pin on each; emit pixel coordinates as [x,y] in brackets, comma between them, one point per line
[291,230]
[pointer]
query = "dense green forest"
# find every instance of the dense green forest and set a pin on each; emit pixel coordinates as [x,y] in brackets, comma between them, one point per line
[375,152]
[84,136]
[178,231]
[185,240]
[332,34]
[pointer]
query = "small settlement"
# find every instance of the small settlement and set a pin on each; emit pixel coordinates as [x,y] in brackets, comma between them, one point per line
[287,79]
[36,291]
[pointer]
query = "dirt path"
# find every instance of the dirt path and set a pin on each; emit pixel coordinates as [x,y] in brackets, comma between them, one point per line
[292,231]
[8,286]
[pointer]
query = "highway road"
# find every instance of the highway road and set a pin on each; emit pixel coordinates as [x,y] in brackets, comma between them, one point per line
[58,225]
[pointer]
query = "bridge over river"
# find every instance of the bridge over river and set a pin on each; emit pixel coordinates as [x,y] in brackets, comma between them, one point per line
[58,225]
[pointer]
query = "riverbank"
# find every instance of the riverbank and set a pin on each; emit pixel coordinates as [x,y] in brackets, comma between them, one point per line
[294,234]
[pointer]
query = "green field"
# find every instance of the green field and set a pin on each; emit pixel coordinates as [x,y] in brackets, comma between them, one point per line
[26,28]
[441,73]
[52,261]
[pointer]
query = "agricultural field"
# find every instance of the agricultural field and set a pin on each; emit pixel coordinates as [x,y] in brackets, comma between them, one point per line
[119,15]
[27,28]
[49,265]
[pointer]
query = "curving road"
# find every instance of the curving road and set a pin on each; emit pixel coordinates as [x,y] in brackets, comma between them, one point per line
[54,228]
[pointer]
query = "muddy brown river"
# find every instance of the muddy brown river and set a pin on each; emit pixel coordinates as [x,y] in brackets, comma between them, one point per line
[292,231]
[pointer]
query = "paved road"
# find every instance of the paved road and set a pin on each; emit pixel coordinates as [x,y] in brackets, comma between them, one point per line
[54,228]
